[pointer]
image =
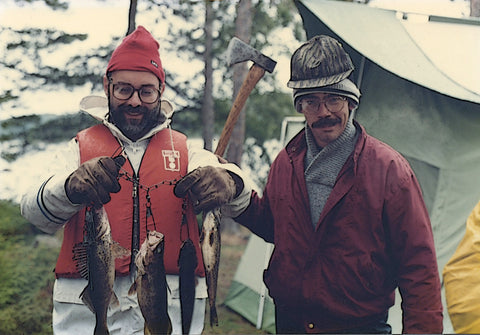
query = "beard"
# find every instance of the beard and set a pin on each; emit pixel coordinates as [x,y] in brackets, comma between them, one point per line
[132,128]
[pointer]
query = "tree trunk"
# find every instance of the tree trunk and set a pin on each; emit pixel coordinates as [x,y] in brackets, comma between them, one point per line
[208,114]
[132,12]
[243,30]
[475,8]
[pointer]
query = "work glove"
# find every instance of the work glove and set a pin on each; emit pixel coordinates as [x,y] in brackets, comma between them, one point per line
[209,187]
[94,180]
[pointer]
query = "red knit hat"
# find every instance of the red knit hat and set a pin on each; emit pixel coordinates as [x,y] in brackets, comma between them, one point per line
[138,52]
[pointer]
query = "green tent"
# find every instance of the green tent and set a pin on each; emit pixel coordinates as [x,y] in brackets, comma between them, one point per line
[419,78]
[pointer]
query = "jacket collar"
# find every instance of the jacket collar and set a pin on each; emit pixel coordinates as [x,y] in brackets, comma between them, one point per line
[297,146]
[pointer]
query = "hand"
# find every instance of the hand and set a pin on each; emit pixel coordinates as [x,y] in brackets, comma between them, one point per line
[209,187]
[94,180]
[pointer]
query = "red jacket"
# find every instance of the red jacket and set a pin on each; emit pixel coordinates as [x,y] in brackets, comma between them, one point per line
[158,168]
[373,234]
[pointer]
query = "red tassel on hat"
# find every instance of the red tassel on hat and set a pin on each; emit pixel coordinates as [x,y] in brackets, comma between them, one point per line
[138,52]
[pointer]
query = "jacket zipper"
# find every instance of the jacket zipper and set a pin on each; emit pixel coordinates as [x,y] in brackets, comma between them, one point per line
[135,224]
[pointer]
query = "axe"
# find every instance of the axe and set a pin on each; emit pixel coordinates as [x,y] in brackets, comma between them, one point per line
[237,52]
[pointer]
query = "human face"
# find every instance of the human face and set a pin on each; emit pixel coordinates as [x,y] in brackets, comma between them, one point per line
[327,124]
[134,117]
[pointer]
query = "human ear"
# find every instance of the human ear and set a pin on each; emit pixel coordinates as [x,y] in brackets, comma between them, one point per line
[106,83]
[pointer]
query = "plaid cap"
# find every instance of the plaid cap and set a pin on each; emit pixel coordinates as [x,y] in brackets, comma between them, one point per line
[319,62]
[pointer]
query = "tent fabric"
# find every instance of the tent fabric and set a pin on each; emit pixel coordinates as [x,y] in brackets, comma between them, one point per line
[240,298]
[247,288]
[423,104]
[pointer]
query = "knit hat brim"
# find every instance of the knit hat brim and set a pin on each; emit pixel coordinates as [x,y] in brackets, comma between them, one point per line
[345,88]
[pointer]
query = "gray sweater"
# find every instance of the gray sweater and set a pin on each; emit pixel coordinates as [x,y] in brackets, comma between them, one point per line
[322,166]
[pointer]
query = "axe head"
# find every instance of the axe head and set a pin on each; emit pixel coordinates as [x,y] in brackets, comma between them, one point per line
[239,51]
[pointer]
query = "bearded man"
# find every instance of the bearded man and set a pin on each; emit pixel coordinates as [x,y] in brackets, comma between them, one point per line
[130,164]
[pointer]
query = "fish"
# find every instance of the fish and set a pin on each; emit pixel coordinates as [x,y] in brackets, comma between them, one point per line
[151,285]
[210,244]
[95,261]
[187,263]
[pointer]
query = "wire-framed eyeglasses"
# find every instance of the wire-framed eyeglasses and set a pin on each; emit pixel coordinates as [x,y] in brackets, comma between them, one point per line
[147,94]
[333,103]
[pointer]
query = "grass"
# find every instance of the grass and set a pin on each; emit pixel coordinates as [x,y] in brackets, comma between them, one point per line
[26,275]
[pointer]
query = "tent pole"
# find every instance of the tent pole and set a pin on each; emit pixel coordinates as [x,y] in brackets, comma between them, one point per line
[263,290]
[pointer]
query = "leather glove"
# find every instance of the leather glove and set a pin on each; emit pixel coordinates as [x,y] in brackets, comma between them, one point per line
[94,180]
[209,187]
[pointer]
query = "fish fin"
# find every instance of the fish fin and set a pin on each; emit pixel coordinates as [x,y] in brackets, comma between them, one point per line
[146,331]
[133,288]
[80,259]
[114,300]
[87,300]
[118,251]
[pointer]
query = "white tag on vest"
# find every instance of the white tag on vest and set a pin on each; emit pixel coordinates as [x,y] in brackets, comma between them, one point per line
[171,160]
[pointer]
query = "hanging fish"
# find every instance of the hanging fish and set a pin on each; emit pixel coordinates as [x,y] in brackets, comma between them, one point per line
[210,243]
[151,285]
[95,261]
[187,263]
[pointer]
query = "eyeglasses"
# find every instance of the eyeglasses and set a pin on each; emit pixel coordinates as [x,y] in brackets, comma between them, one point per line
[333,103]
[147,94]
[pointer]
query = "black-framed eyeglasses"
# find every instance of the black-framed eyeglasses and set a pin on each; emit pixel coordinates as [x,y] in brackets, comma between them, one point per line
[333,103]
[147,94]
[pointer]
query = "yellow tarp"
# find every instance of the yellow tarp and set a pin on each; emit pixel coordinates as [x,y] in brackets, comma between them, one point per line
[461,278]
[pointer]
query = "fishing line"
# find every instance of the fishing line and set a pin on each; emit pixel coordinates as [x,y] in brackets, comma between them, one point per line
[149,212]
[184,223]
[120,150]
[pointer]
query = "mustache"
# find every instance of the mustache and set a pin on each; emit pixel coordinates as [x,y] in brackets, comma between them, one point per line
[328,122]
[130,109]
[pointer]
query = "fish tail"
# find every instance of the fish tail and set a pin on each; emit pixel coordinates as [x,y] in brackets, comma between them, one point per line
[213,316]
[187,262]
[101,328]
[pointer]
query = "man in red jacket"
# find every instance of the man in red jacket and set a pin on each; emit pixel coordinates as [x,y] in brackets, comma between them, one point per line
[346,215]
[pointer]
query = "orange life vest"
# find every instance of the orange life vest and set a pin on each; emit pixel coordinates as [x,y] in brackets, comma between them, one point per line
[160,167]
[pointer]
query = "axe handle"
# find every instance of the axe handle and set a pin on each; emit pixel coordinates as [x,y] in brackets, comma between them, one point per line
[254,75]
